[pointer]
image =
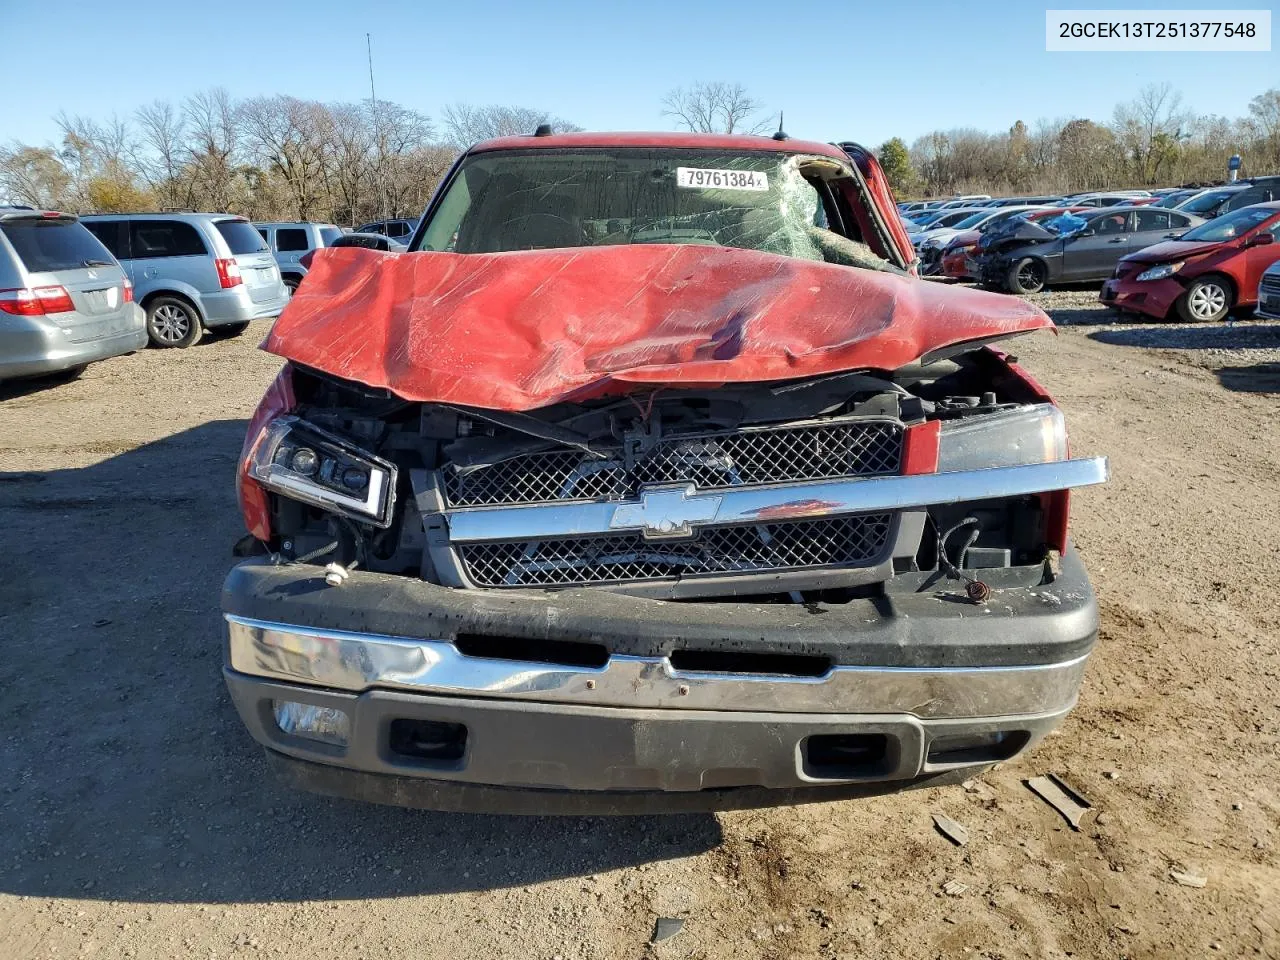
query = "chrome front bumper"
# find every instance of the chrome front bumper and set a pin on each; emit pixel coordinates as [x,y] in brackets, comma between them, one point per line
[355,663]
[938,688]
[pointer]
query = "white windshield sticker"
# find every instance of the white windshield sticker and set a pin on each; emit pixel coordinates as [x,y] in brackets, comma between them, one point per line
[701,178]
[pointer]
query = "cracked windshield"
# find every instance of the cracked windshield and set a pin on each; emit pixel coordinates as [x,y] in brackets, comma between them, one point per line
[540,199]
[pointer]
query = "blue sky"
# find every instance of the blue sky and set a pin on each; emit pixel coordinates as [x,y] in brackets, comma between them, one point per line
[865,71]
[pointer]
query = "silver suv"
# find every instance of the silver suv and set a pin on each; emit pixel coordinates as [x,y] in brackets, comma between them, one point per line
[64,300]
[194,271]
[291,242]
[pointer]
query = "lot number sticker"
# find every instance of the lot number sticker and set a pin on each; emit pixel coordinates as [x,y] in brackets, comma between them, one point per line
[701,178]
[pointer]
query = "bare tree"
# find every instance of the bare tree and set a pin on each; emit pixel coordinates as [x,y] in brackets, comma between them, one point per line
[465,124]
[1264,124]
[34,176]
[163,131]
[715,107]
[1148,127]
[214,136]
[291,136]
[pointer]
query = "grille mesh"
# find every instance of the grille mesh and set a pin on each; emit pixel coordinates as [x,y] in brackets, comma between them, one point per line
[629,557]
[708,461]
[1271,284]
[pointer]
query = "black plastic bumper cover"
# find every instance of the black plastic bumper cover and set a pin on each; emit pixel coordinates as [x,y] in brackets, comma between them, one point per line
[1050,623]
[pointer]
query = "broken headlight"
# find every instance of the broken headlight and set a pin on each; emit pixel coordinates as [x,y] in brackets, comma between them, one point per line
[1035,433]
[303,462]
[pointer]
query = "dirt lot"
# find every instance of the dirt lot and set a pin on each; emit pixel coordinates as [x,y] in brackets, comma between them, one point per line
[136,820]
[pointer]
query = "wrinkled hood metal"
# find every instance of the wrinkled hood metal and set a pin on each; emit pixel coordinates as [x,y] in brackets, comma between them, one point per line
[1171,250]
[521,330]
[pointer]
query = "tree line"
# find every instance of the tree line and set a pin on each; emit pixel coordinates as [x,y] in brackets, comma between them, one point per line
[283,158]
[1149,141]
[268,158]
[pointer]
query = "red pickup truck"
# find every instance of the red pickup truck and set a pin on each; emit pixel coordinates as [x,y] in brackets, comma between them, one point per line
[651,478]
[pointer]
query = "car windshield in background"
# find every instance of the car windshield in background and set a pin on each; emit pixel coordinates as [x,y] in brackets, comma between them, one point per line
[241,236]
[543,199]
[1207,202]
[329,235]
[971,221]
[1230,226]
[53,244]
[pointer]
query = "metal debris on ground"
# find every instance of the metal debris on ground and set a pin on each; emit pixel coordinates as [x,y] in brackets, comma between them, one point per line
[957,833]
[1068,801]
[1188,879]
[954,888]
[665,928]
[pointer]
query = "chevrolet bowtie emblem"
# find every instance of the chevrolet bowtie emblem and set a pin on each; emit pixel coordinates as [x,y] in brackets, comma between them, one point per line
[666,512]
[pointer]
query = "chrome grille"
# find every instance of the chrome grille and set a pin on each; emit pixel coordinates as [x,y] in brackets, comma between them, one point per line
[749,456]
[1271,283]
[853,540]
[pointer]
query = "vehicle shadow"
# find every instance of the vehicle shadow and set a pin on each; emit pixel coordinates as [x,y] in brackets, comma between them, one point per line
[10,389]
[1259,378]
[127,773]
[1245,335]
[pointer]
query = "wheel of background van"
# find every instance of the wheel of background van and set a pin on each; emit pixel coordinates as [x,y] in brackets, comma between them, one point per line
[172,323]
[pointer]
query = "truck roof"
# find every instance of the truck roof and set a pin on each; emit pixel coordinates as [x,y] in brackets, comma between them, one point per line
[686,141]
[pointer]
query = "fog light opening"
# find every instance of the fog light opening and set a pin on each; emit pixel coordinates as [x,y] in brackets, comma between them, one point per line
[992,746]
[431,740]
[306,720]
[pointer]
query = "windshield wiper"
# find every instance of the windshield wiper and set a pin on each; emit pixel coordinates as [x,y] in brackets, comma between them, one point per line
[95,263]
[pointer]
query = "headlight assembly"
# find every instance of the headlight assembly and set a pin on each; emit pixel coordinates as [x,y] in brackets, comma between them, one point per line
[303,462]
[1160,272]
[1036,433]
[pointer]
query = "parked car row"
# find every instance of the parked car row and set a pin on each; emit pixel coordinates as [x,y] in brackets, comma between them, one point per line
[1194,254]
[79,289]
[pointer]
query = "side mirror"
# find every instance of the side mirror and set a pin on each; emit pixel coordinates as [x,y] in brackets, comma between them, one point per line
[1260,239]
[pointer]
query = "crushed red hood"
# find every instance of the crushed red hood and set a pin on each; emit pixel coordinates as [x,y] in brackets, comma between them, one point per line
[521,330]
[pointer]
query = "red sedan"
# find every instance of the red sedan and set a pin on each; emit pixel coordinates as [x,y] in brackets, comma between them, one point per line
[1205,273]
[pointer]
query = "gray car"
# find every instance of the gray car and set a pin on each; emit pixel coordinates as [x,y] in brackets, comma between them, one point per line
[194,271]
[1082,249]
[291,242]
[369,241]
[64,300]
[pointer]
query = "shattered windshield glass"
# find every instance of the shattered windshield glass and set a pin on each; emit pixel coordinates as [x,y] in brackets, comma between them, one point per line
[541,199]
[1064,224]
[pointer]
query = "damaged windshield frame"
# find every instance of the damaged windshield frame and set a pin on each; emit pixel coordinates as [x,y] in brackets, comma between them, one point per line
[636,197]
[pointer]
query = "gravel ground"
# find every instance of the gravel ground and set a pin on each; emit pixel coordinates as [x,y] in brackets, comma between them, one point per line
[136,819]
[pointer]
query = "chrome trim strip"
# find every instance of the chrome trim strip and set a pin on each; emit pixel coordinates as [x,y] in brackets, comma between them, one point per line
[792,501]
[357,662]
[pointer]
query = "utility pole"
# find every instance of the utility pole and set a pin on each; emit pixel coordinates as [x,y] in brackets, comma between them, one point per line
[377,132]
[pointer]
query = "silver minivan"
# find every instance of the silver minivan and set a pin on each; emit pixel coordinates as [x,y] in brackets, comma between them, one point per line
[291,242]
[64,300]
[194,271]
